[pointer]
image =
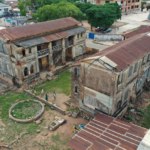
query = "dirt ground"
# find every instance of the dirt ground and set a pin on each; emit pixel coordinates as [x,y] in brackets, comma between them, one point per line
[88,26]
[2,86]
[60,99]
[37,142]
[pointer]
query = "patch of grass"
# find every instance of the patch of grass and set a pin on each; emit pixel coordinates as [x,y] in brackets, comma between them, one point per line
[130,118]
[70,100]
[26,110]
[135,28]
[145,119]
[53,124]
[55,138]
[60,85]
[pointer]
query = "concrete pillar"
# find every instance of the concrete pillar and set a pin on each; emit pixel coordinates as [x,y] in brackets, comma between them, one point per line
[36,57]
[73,53]
[50,47]
[29,71]
[63,52]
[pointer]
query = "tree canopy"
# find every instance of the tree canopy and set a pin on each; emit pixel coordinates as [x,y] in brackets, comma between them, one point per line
[56,11]
[103,15]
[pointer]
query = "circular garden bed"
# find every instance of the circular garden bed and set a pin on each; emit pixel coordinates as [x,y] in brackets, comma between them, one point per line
[26,111]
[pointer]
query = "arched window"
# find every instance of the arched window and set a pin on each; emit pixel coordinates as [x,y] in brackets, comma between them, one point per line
[32,69]
[26,72]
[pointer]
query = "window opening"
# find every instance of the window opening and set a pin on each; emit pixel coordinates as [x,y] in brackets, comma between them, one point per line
[76,89]
[23,52]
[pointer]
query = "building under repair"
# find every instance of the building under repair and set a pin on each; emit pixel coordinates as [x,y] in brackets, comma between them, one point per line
[108,133]
[106,81]
[25,51]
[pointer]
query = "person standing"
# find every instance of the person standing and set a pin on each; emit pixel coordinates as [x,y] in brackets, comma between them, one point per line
[54,94]
[46,97]
[42,92]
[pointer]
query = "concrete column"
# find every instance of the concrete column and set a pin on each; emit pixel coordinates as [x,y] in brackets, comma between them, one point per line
[36,57]
[29,72]
[50,47]
[63,52]
[73,52]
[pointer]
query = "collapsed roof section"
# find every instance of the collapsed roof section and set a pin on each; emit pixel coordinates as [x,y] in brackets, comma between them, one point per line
[108,133]
[124,54]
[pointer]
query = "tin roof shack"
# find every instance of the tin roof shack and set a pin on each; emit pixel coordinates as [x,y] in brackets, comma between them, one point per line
[107,80]
[140,30]
[25,51]
[107,133]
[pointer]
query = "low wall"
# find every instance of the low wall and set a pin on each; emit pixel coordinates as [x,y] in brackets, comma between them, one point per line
[46,102]
[26,120]
[91,51]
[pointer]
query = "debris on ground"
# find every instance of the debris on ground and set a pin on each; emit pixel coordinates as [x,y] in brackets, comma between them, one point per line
[56,123]
[38,131]
[77,128]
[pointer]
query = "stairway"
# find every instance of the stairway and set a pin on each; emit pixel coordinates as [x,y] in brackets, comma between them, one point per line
[57,57]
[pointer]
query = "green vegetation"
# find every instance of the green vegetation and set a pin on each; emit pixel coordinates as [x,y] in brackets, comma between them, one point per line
[130,118]
[53,124]
[57,11]
[103,15]
[26,110]
[12,128]
[60,85]
[145,119]
[72,109]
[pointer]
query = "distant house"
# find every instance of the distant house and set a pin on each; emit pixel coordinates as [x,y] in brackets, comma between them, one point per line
[126,5]
[4,8]
[141,29]
[13,4]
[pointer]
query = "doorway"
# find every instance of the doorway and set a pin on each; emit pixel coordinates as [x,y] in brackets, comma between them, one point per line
[43,63]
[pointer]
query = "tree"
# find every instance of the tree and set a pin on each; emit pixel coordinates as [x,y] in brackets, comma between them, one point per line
[24,6]
[83,6]
[56,11]
[1,1]
[103,15]
[41,3]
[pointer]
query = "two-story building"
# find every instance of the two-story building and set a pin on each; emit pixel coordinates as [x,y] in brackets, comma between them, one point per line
[27,50]
[106,81]
[126,5]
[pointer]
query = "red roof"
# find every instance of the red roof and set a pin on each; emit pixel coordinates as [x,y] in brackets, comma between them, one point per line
[141,29]
[56,36]
[108,133]
[126,52]
[16,33]
[13,4]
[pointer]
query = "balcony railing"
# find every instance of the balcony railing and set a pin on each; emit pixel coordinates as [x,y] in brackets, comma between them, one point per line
[57,57]
[69,43]
[57,48]
[43,52]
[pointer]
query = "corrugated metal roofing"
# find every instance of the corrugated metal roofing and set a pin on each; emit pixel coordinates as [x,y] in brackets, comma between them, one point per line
[141,29]
[38,28]
[56,36]
[108,133]
[41,39]
[126,52]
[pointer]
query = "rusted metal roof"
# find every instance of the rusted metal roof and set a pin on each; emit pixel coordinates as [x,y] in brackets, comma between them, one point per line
[141,29]
[16,33]
[13,4]
[125,53]
[108,133]
[56,36]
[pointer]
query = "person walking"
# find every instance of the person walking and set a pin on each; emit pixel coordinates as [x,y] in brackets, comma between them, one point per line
[42,92]
[54,94]
[46,97]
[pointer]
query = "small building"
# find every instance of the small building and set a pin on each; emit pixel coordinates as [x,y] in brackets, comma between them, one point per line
[106,81]
[4,8]
[140,30]
[108,133]
[25,51]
